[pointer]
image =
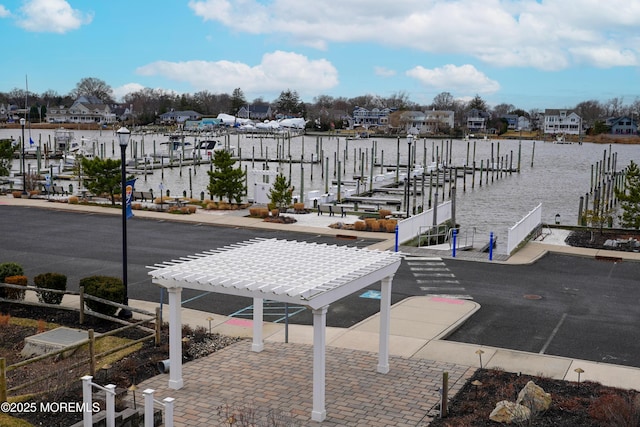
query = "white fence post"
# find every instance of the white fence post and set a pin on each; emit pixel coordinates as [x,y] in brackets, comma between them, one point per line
[110,392]
[87,414]
[168,411]
[148,407]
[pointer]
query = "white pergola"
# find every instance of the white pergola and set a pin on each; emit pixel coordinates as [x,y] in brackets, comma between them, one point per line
[310,274]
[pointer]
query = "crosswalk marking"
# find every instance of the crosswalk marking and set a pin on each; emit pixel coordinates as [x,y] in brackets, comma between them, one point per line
[451,296]
[435,279]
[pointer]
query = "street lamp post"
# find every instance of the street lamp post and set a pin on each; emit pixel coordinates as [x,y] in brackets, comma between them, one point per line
[123,138]
[408,181]
[24,172]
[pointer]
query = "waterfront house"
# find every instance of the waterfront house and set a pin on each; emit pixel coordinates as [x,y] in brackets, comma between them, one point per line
[477,120]
[623,126]
[376,117]
[173,117]
[566,122]
[428,122]
[85,110]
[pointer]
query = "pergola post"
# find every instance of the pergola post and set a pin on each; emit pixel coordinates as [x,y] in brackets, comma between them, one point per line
[319,412]
[175,338]
[258,344]
[385,320]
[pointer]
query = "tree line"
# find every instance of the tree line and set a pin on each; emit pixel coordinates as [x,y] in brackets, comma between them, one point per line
[324,111]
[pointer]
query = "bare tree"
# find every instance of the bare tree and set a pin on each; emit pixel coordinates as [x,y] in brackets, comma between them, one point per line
[590,111]
[443,101]
[92,86]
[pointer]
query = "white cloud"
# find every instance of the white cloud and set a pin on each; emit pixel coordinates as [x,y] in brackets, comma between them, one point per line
[384,72]
[4,12]
[462,80]
[56,16]
[277,70]
[125,89]
[544,34]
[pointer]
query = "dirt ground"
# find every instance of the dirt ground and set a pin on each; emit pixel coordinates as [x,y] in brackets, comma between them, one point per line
[129,371]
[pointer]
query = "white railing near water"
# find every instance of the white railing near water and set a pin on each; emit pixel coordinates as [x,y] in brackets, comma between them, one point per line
[523,228]
[411,227]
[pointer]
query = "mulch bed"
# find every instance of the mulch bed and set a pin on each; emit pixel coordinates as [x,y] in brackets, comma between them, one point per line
[584,404]
[130,370]
[597,239]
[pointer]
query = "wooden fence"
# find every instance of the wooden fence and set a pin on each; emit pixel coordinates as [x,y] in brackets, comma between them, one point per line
[91,359]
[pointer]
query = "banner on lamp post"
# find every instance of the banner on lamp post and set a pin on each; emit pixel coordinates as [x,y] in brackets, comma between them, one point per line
[129,196]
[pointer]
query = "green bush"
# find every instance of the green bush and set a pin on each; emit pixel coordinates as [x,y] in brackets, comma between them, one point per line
[55,281]
[105,287]
[13,293]
[9,269]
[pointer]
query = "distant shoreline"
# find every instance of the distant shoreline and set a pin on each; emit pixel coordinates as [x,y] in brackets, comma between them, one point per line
[597,139]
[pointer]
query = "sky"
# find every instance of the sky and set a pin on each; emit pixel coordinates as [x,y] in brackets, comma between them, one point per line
[528,53]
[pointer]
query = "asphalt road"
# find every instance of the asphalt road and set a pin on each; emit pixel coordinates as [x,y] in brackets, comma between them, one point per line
[561,305]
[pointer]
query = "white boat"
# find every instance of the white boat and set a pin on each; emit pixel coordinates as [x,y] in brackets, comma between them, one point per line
[62,139]
[206,148]
[77,150]
[561,139]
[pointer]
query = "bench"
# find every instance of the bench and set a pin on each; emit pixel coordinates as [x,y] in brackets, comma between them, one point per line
[334,209]
[58,189]
[143,195]
[325,209]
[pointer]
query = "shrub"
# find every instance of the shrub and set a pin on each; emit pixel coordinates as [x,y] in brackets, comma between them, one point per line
[73,200]
[360,225]
[55,281]
[105,287]
[192,209]
[16,294]
[384,213]
[390,225]
[4,319]
[16,194]
[9,269]
[298,207]
[374,225]
[275,212]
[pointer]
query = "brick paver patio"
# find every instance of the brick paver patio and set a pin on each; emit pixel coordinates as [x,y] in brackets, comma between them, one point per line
[278,382]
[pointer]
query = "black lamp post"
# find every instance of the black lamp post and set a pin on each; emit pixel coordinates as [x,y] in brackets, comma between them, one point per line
[123,137]
[24,172]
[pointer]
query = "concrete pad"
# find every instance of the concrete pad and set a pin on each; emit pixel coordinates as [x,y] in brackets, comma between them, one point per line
[403,328]
[605,374]
[454,352]
[243,328]
[53,340]
[301,334]
[529,363]
[369,341]
[430,314]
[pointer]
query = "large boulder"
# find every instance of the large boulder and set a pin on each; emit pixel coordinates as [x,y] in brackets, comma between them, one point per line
[534,397]
[509,412]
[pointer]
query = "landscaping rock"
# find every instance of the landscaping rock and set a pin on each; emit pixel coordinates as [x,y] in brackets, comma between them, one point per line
[534,397]
[510,412]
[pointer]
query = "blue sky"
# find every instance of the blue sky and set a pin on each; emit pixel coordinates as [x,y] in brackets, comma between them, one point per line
[532,54]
